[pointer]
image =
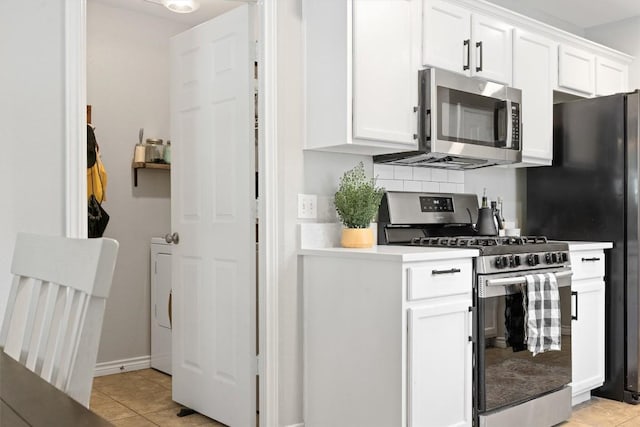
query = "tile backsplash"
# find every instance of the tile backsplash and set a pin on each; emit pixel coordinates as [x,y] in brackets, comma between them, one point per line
[406,178]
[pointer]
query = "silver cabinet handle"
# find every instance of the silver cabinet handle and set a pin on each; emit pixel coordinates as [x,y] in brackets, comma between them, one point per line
[172,238]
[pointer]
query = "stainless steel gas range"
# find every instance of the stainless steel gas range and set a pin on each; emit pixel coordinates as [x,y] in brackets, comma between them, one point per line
[511,385]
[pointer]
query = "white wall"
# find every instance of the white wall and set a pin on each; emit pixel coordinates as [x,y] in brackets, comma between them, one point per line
[128,88]
[32,160]
[525,8]
[623,36]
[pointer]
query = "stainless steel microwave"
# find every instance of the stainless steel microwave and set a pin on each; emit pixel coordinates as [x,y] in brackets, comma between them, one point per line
[464,123]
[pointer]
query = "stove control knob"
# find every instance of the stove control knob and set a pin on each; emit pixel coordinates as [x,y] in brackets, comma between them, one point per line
[516,260]
[512,261]
[547,257]
[499,262]
[531,260]
[565,257]
[505,261]
[536,259]
[554,258]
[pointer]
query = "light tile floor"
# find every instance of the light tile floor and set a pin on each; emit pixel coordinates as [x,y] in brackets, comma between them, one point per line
[143,398]
[140,399]
[599,412]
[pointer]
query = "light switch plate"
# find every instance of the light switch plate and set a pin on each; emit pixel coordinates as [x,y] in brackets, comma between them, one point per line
[307,206]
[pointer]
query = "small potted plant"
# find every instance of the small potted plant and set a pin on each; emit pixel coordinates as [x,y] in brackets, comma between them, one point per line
[357,201]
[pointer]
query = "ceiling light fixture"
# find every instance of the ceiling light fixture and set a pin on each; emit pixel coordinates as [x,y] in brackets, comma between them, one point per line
[181,6]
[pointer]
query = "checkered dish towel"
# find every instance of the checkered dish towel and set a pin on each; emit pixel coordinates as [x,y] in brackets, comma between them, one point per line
[542,313]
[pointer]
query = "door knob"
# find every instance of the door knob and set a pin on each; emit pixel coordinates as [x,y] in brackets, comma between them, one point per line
[172,238]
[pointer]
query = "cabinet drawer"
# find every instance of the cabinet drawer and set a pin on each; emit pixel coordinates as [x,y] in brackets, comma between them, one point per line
[439,278]
[587,264]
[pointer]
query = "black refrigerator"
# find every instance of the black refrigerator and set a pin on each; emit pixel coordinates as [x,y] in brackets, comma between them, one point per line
[590,193]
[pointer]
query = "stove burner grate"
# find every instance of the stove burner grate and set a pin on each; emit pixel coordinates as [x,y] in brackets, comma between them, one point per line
[477,241]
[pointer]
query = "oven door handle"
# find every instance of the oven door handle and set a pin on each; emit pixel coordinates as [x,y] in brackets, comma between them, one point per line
[521,280]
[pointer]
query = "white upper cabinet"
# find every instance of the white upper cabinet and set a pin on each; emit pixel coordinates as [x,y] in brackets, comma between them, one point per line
[447,37]
[576,70]
[466,43]
[361,88]
[492,47]
[534,72]
[611,76]
[386,55]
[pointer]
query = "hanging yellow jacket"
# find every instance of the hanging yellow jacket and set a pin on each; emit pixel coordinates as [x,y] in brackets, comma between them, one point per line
[97,181]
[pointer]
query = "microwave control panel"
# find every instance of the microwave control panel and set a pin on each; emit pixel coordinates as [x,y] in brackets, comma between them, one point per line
[515,121]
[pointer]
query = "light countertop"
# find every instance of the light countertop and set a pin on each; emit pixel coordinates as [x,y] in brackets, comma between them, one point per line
[393,253]
[587,246]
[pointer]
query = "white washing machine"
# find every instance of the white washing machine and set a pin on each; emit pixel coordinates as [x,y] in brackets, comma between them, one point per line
[161,305]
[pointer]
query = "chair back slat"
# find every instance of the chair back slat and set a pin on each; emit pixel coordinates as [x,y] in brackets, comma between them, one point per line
[15,341]
[71,337]
[43,325]
[56,304]
[8,314]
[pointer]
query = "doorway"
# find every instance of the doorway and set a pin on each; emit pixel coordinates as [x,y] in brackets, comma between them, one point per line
[152,186]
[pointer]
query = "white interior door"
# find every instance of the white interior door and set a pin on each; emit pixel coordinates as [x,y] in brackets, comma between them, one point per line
[213,210]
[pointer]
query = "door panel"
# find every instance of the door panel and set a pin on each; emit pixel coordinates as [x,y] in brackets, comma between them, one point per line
[446,29]
[213,210]
[492,47]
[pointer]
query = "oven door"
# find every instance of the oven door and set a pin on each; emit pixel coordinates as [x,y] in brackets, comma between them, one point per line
[507,373]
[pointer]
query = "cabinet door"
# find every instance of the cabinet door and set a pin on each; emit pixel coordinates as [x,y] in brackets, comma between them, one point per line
[447,37]
[439,364]
[491,56]
[611,77]
[587,335]
[575,69]
[385,70]
[534,72]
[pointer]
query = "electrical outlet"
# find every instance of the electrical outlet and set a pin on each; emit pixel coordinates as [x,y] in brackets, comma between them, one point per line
[307,206]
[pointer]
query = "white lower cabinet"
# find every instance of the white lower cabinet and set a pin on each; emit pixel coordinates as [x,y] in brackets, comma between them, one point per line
[587,329]
[383,344]
[161,305]
[440,363]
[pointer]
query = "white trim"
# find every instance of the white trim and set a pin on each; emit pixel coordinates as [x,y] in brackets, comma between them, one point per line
[269,194]
[75,118]
[296,425]
[124,365]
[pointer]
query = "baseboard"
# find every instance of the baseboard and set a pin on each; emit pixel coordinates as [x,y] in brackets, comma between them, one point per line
[124,365]
[295,425]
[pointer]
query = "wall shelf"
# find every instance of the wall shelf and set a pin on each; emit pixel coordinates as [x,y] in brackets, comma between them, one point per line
[145,165]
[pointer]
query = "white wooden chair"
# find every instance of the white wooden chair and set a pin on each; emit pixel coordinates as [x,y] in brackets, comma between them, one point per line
[53,320]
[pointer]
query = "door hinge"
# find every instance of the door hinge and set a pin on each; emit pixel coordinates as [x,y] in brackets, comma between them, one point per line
[258,365]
